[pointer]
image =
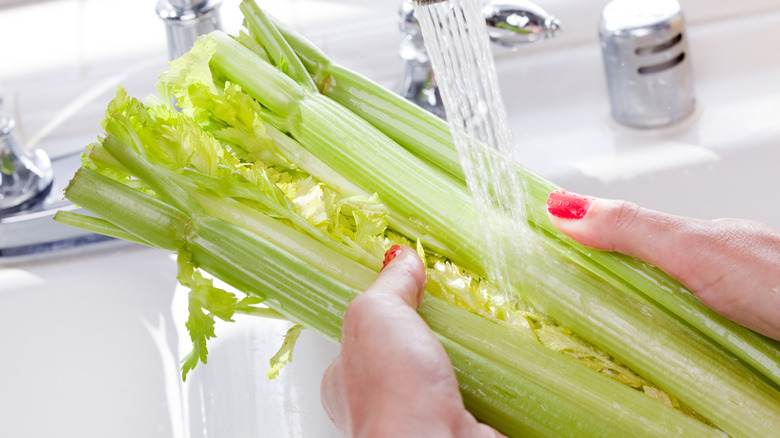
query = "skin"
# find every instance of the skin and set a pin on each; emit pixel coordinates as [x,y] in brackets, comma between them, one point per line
[732,265]
[393,378]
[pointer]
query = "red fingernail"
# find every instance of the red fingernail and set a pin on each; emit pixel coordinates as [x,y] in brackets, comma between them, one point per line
[568,205]
[391,254]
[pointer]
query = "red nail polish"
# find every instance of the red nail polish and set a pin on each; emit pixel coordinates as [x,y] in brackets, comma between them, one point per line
[391,254]
[568,205]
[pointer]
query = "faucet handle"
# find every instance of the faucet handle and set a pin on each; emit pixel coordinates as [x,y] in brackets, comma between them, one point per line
[515,22]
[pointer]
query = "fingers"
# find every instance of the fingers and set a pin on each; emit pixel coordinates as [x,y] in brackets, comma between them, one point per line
[402,276]
[392,366]
[615,225]
[334,398]
[385,344]
[732,265]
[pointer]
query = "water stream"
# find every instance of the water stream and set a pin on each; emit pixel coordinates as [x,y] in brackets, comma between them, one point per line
[456,39]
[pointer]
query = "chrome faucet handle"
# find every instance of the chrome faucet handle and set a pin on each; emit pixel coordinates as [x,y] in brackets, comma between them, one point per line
[512,23]
[186,20]
[25,176]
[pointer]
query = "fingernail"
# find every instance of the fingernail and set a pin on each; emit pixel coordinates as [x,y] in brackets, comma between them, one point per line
[391,254]
[568,205]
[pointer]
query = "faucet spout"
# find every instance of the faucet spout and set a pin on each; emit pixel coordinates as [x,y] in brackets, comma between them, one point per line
[510,23]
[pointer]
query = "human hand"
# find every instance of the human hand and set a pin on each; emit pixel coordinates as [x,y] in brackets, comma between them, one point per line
[732,265]
[393,377]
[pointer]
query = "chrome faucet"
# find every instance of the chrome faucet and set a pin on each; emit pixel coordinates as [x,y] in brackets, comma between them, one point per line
[31,184]
[186,20]
[30,195]
[25,176]
[511,23]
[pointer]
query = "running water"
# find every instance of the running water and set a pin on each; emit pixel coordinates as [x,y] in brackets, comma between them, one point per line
[456,39]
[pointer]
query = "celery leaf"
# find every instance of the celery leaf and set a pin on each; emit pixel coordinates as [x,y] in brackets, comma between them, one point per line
[285,353]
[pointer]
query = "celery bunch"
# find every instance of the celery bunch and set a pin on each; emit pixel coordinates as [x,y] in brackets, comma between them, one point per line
[287,177]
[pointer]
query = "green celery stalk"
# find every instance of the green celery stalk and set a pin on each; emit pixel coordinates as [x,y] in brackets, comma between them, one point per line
[432,203]
[339,138]
[96,225]
[406,123]
[326,137]
[520,387]
[429,137]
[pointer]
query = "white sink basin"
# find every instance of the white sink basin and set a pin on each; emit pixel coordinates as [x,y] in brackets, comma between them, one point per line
[719,162]
[91,342]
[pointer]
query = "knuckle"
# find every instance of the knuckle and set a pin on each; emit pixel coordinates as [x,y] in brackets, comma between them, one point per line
[624,215]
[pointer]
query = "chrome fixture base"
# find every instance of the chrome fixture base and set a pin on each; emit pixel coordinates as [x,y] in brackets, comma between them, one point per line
[646,62]
[31,234]
[25,176]
[186,20]
[30,195]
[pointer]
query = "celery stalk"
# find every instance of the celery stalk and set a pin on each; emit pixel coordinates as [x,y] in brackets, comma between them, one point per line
[429,137]
[511,381]
[353,148]
[206,183]
[711,373]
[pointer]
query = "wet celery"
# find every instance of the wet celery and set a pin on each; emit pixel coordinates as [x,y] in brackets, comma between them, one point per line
[697,385]
[429,137]
[177,204]
[507,378]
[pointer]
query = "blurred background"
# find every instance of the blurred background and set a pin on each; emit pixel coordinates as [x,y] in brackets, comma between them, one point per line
[90,341]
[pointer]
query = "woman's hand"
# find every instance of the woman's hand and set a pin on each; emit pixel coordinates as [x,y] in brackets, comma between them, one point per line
[732,265]
[393,377]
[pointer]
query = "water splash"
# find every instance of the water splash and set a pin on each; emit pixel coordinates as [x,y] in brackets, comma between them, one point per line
[457,42]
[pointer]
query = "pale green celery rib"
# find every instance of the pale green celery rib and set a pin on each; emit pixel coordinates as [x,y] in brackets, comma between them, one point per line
[277,48]
[520,354]
[507,379]
[280,93]
[367,158]
[406,123]
[429,137]
[152,220]
[95,225]
[330,132]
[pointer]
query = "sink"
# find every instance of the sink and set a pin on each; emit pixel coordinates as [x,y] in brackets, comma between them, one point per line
[92,340]
[719,162]
[93,347]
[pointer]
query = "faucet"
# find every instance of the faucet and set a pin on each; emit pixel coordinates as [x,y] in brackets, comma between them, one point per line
[511,23]
[25,176]
[31,183]
[30,195]
[186,20]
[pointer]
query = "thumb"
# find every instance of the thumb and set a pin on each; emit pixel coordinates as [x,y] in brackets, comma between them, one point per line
[732,265]
[403,275]
[664,240]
